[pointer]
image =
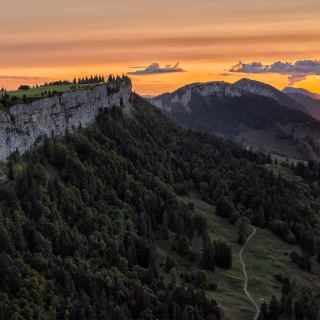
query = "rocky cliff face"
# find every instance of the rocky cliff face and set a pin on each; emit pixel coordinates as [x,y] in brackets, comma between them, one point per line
[184,94]
[258,88]
[25,123]
[263,89]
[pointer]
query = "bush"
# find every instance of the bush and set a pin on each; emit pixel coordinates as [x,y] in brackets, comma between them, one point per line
[170,263]
[24,87]
[212,286]
[202,279]
[295,256]
[187,277]
[224,207]
[242,239]
[183,245]
[233,218]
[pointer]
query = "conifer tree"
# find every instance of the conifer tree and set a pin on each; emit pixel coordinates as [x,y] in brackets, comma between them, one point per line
[274,307]
[165,231]
[208,258]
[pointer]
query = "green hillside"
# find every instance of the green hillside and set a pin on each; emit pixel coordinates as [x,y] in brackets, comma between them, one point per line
[252,120]
[265,256]
[87,223]
[33,92]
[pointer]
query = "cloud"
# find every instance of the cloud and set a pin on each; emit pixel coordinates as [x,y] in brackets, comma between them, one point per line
[296,72]
[154,68]
[136,67]
[21,78]
[226,74]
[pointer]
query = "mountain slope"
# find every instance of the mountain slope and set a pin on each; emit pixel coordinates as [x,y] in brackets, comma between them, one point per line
[253,120]
[89,222]
[313,105]
[264,89]
[302,91]
[92,224]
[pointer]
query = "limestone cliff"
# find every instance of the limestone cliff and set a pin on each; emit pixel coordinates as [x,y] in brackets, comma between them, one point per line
[25,123]
[263,89]
[183,95]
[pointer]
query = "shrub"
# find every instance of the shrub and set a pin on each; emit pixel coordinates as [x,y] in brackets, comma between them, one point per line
[183,245]
[202,279]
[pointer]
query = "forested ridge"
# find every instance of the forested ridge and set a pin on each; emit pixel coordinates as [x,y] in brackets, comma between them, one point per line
[231,116]
[224,114]
[81,244]
[247,85]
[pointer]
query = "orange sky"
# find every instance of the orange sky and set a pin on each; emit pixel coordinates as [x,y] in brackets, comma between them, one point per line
[51,40]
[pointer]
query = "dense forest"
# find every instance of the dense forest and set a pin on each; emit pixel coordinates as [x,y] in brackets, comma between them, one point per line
[77,239]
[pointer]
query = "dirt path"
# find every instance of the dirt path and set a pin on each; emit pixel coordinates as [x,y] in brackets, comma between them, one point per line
[246,277]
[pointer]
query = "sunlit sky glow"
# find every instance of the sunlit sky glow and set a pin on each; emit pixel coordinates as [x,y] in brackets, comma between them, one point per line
[52,40]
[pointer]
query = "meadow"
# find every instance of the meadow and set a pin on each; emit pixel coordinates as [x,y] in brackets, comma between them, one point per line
[37,91]
[266,139]
[265,256]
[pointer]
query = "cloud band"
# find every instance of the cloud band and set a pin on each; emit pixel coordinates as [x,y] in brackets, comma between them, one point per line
[296,72]
[154,68]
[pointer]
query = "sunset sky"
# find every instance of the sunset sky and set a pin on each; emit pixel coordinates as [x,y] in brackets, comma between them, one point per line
[52,40]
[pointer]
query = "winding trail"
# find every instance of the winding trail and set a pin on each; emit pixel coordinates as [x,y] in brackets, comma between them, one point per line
[245,274]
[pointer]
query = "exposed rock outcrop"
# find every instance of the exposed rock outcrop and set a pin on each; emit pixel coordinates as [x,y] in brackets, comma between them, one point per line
[25,123]
[264,89]
[184,94]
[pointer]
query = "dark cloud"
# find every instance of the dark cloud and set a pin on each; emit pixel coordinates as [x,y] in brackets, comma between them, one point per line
[296,72]
[154,68]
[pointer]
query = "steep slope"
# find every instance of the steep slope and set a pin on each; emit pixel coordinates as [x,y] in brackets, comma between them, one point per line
[313,105]
[24,124]
[89,241]
[264,89]
[253,120]
[302,91]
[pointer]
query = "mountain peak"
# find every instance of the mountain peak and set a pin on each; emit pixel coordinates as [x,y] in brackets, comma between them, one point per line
[302,91]
[204,89]
[263,89]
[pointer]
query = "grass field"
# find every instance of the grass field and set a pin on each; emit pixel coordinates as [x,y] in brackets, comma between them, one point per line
[37,91]
[265,139]
[265,256]
[279,158]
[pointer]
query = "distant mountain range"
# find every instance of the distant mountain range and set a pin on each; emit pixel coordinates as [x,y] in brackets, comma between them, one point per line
[301,91]
[313,105]
[147,96]
[264,89]
[250,112]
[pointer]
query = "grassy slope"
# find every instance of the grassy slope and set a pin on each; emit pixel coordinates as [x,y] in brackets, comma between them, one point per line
[33,92]
[264,257]
[266,140]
